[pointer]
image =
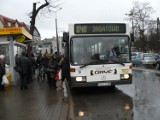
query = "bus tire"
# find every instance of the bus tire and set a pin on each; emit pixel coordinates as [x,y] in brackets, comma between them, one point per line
[112,87]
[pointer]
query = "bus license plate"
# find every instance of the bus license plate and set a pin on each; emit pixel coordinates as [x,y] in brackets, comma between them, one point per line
[104,84]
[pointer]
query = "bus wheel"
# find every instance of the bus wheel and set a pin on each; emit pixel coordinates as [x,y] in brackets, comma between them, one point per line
[112,87]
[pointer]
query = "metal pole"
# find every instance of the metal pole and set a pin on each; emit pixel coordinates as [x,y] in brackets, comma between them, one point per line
[158,28]
[57,35]
[57,29]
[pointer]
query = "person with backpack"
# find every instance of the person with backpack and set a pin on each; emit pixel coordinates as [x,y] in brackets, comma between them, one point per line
[53,64]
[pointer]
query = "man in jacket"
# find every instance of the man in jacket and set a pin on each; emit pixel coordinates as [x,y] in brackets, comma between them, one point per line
[26,67]
[65,70]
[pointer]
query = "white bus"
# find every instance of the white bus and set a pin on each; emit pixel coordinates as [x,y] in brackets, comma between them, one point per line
[99,54]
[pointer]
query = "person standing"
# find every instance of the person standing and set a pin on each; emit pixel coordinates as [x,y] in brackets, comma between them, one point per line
[65,70]
[29,79]
[33,60]
[2,71]
[26,66]
[45,64]
[39,60]
[53,64]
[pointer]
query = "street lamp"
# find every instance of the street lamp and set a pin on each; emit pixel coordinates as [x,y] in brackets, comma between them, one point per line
[158,28]
[57,29]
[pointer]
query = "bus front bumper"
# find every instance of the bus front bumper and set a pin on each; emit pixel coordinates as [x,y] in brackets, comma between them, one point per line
[73,83]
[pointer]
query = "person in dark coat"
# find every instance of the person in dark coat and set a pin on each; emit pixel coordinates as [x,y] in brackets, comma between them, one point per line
[32,67]
[45,64]
[39,60]
[26,66]
[53,64]
[65,70]
[33,60]
[2,71]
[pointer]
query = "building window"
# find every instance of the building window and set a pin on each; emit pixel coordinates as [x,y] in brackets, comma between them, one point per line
[9,24]
[16,24]
[1,25]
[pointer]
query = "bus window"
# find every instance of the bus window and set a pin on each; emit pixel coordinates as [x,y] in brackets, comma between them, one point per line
[86,48]
[124,46]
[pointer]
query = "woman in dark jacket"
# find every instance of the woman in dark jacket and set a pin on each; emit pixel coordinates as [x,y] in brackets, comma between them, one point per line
[53,64]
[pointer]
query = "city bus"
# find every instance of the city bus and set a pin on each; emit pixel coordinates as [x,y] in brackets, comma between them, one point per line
[87,47]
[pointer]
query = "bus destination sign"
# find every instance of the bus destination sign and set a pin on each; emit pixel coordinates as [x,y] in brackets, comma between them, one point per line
[99,28]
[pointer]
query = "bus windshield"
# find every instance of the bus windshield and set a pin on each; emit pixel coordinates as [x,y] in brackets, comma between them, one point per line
[99,50]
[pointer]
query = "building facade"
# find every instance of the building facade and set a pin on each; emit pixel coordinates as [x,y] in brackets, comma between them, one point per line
[50,44]
[13,38]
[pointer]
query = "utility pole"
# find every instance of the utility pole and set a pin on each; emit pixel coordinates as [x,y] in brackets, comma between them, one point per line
[57,35]
[57,40]
[33,17]
[158,28]
[35,12]
[32,26]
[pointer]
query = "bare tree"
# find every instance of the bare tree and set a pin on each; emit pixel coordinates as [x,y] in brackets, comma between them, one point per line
[44,9]
[140,16]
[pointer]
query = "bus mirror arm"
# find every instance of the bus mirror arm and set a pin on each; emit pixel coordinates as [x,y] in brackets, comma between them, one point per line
[132,37]
[65,36]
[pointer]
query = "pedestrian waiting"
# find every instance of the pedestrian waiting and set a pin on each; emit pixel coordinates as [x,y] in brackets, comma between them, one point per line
[25,65]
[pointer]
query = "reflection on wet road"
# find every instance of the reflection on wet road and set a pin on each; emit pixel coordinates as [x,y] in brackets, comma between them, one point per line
[137,101]
[145,94]
[101,104]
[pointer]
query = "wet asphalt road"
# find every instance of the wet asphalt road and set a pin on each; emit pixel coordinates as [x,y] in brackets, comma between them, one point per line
[137,101]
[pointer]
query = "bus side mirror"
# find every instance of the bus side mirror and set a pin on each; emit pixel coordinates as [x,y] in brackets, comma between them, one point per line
[132,37]
[65,36]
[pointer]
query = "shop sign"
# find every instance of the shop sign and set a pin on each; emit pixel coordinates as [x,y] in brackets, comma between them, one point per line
[20,38]
[9,31]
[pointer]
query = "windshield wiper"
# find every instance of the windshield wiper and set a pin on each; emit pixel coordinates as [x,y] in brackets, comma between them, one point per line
[92,63]
[118,62]
[101,62]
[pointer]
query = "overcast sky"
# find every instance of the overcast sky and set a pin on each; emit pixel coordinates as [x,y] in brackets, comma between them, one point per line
[73,11]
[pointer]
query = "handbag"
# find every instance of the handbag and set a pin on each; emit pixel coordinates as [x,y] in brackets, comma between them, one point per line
[17,69]
[50,70]
[4,80]
[57,75]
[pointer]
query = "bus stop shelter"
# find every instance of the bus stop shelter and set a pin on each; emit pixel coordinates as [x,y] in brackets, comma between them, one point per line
[12,43]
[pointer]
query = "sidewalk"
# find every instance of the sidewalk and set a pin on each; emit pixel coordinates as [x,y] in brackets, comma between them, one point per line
[39,102]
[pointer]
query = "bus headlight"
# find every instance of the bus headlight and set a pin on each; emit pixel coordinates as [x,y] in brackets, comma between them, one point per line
[80,79]
[126,107]
[124,76]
